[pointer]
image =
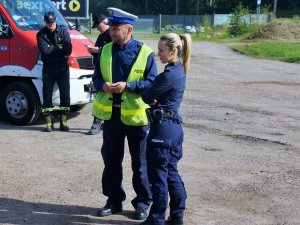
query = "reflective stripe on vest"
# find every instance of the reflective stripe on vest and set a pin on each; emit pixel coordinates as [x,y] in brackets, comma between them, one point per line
[132,106]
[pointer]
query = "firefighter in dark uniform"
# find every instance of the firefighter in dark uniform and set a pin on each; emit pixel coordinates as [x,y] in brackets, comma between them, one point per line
[55,46]
[125,68]
[100,22]
[164,142]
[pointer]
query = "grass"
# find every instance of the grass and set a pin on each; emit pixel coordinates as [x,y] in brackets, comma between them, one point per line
[295,19]
[218,34]
[278,50]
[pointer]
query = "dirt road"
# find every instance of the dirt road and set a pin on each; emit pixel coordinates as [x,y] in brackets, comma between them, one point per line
[241,152]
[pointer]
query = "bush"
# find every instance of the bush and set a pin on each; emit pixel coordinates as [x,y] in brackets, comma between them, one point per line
[238,24]
[207,24]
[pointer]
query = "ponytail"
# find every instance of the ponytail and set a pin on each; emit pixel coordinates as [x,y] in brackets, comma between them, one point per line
[186,51]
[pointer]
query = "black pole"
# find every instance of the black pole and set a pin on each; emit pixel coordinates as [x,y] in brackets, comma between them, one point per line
[176,7]
[77,24]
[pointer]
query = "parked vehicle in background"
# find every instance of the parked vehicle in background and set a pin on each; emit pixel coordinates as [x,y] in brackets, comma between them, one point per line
[21,65]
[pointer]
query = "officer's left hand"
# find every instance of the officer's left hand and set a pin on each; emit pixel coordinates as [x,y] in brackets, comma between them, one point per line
[118,87]
[154,102]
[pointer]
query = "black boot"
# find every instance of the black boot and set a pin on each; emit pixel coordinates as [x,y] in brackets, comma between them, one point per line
[49,121]
[96,127]
[174,221]
[63,120]
[109,209]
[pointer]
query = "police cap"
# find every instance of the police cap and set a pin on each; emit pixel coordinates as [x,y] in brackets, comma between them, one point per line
[118,16]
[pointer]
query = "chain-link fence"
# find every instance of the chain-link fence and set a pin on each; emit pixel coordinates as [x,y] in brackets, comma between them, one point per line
[190,23]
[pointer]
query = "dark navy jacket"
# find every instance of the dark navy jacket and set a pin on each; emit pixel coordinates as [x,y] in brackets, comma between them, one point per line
[168,88]
[53,57]
[102,39]
[122,62]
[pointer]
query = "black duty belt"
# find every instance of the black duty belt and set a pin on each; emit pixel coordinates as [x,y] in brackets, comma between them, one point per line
[115,104]
[158,115]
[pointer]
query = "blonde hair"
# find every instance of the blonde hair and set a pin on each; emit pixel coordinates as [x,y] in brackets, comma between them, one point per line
[183,44]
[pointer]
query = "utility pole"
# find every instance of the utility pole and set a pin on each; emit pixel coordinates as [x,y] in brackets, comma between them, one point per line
[212,6]
[177,7]
[197,7]
[275,8]
[258,7]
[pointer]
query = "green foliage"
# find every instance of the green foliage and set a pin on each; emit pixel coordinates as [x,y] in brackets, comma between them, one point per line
[265,9]
[191,7]
[238,24]
[207,24]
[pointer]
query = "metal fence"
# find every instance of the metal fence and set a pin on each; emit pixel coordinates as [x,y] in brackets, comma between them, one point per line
[155,23]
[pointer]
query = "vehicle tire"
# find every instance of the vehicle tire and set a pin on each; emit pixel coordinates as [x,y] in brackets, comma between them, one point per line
[20,103]
[76,108]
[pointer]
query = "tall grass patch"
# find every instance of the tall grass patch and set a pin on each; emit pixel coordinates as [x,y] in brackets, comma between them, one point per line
[283,51]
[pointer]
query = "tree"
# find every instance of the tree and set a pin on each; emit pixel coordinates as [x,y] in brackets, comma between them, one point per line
[238,24]
[193,7]
[275,8]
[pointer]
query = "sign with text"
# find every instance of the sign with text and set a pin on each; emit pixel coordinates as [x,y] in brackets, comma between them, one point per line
[73,9]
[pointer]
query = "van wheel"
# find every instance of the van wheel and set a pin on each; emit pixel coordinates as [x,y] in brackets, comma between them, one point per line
[76,108]
[20,103]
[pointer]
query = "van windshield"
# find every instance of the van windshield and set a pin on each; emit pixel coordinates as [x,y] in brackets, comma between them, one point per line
[29,15]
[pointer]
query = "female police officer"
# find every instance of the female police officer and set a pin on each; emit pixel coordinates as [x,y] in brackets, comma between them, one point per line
[164,143]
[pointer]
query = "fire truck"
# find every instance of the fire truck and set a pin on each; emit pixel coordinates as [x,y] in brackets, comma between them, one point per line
[21,65]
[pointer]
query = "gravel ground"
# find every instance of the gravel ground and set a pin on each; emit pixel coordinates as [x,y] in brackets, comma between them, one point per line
[241,152]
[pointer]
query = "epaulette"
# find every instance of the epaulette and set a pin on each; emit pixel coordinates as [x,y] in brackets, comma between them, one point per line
[139,43]
[167,69]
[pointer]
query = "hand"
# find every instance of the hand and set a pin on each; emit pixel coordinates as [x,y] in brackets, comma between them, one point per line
[118,87]
[107,87]
[154,102]
[92,49]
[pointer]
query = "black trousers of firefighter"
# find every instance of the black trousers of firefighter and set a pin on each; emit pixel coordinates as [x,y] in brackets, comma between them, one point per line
[62,78]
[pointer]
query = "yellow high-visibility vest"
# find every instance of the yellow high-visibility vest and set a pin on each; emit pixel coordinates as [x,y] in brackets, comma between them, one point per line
[132,106]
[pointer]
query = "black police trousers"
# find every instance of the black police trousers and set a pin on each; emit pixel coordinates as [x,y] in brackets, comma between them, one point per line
[164,150]
[114,133]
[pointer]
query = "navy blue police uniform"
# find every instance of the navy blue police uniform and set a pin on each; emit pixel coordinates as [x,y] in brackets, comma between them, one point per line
[164,143]
[115,131]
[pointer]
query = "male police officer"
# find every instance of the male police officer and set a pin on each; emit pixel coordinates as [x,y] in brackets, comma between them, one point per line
[55,45]
[126,67]
[100,22]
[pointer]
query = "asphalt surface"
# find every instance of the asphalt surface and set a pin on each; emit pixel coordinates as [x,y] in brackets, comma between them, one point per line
[241,151]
